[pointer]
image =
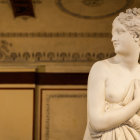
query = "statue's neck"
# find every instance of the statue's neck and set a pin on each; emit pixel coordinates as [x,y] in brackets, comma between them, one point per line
[130,62]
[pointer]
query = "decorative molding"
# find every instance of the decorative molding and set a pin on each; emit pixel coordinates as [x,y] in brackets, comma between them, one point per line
[56,34]
[69,8]
[34,1]
[7,55]
[53,57]
[92,3]
[48,98]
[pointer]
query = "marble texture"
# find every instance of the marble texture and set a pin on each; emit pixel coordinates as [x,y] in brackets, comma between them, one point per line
[113,100]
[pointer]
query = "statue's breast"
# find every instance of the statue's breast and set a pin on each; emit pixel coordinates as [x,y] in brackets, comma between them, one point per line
[116,89]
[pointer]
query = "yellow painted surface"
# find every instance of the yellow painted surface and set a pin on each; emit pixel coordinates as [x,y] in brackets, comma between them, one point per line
[16,115]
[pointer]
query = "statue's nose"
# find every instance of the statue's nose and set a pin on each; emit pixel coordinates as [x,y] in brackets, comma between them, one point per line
[114,38]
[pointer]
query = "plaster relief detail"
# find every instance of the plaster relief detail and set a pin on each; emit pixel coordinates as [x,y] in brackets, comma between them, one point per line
[92,3]
[92,9]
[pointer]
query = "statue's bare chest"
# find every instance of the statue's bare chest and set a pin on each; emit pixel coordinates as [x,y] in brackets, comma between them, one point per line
[117,84]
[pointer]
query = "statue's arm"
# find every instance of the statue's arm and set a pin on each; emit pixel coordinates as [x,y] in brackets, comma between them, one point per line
[99,119]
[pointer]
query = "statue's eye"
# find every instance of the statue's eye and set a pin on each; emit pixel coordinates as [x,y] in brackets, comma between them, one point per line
[118,31]
[121,31]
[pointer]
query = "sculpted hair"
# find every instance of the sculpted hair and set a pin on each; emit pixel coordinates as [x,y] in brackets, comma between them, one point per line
[131,20]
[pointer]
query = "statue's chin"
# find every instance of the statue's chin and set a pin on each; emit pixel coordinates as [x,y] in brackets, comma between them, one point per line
[116,50]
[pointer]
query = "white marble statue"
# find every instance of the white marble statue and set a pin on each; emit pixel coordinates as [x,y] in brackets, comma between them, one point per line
[113,100]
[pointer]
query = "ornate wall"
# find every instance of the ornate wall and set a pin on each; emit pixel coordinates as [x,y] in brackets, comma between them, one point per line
[63,32]
[64,36]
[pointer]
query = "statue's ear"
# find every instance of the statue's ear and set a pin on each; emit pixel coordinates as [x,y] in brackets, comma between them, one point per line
[136,37]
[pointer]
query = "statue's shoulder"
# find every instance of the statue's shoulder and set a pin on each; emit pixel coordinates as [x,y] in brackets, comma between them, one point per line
[102,64]
[99,67]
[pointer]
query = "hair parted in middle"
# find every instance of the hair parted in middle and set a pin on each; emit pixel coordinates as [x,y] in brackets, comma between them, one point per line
[131,20]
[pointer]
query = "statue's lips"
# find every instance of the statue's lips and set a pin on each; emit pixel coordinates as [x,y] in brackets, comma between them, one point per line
[115,44]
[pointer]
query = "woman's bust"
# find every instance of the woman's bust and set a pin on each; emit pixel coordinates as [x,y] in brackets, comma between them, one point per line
[113,99]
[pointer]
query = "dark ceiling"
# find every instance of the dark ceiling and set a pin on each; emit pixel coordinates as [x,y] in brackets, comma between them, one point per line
[22,8]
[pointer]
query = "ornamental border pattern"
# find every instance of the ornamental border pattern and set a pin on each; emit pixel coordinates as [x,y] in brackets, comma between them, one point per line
[56,34]
[48,98]
[34,1]
[7,55]
[58,57]
[63,9]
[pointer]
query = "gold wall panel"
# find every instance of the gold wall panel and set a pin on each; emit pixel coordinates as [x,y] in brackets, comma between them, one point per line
[16,116]
[63,113]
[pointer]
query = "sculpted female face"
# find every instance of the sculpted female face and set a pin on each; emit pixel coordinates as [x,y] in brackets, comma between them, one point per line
[123,41]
